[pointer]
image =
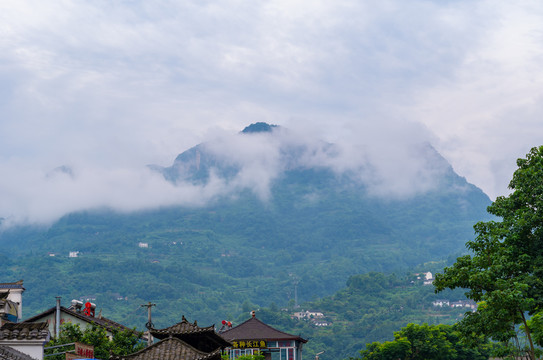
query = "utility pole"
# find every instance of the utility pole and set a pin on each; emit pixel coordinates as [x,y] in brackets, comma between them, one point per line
[295,281]
[296,294]
[149,324]
[57,318]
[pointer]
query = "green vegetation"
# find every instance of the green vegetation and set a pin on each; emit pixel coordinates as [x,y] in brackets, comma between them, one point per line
[369,309]
[123,342]
[425,342]
[505,272]
[318,231]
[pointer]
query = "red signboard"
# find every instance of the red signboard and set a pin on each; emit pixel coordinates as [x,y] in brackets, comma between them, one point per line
[82,351]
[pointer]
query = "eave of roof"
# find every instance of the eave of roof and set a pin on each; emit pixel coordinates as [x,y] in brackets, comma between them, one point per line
[12,285]
[183,327]
[9,353]
[187,331]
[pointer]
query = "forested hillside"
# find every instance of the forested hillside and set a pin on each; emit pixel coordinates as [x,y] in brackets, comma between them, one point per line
[315,229]
[370,308]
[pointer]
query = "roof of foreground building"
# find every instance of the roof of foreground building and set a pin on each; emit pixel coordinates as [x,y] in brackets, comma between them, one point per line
[202,338]
[12,285]
[171,348]
[24,331]
[108,324]
[257,330]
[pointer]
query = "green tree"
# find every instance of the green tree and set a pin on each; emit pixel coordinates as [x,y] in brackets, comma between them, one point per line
[424,342]
[536,327]
[122,343]
[505,271]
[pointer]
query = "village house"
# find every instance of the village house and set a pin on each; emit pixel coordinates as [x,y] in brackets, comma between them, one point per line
[183,341]
[77,313]
[441,302]
[253,336]
[428,278]
[306,315]
[19,341]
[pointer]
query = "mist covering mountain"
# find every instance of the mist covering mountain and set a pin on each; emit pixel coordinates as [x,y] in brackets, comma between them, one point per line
[277,213]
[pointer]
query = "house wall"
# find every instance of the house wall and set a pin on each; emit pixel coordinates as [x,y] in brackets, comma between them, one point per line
[33,349]
[64,317]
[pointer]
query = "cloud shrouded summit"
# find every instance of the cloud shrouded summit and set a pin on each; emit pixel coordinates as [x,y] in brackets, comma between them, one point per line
[223,166]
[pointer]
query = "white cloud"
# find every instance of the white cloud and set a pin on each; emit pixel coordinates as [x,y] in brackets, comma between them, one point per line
[112,86]
[488,114]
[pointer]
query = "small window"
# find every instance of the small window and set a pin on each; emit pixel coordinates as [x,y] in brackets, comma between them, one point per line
[290,354]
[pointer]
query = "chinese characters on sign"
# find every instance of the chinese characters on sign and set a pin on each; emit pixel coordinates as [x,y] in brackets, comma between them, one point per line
[247,344]
[82,351]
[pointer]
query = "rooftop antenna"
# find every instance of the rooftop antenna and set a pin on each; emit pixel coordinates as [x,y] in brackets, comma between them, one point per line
[317,355]
[149,324]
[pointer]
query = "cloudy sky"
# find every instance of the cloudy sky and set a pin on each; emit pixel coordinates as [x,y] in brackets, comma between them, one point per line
[107,87]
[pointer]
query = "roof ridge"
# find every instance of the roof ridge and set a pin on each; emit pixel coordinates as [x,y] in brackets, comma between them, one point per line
[186,323]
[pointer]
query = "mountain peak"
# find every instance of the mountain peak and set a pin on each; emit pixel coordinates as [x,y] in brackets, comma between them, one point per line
[258,127]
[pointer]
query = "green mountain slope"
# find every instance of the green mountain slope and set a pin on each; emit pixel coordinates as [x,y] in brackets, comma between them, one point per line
[316,228]
[370,308]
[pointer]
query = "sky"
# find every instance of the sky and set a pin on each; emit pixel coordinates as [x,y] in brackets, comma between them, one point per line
[105,88]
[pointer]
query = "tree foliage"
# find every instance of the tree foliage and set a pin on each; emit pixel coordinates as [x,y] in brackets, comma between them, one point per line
[424,342]
[505,271]
[122,343]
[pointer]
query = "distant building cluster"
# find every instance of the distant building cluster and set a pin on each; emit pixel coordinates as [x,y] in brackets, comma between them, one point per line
[426,277]
[470,304]
[316,318]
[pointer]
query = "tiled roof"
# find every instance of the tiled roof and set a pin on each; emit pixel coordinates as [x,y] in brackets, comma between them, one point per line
[183,327]
[24,331]
[202,338]
[100,321]
[8,353]
[170,349]
[256,330]
[12,285]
